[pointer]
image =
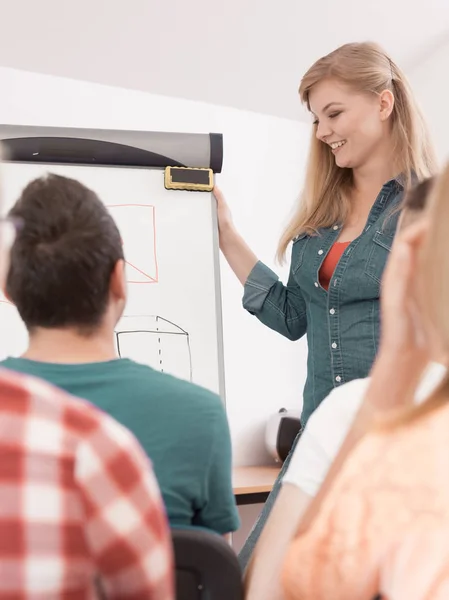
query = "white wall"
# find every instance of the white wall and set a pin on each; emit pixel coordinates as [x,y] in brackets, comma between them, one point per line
[429,82]
[263,166]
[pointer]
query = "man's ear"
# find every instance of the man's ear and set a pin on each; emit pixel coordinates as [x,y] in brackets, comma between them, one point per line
[5,293]
[117,285]
[4,290]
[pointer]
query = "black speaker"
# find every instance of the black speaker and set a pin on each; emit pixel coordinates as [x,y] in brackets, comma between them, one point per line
[281,432]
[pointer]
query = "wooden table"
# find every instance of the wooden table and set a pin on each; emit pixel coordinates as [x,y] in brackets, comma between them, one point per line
[253,484]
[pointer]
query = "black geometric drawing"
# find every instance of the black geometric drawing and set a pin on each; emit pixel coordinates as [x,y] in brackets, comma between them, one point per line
[157,342]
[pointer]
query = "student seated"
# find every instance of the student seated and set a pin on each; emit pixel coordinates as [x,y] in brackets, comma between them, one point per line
[317,449]
[67,280]
[379,523]
[78,498]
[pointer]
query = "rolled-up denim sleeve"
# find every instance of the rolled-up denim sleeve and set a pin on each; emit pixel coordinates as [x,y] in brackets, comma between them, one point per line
[280,307]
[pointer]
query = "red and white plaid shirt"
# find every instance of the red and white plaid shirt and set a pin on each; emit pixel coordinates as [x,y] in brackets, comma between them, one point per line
[78,500]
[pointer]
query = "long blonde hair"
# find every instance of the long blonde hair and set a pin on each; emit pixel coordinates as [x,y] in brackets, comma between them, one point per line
[433,273]
[365,67]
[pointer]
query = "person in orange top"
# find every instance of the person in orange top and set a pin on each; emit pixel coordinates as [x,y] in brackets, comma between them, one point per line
[380,523]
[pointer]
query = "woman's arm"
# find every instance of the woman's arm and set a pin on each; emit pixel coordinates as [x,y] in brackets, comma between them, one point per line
[238,254]
[263,577]
[280,307]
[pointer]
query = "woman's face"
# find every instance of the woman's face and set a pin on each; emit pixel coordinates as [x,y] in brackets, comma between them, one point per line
[431,333]
[354,125]
[413,229]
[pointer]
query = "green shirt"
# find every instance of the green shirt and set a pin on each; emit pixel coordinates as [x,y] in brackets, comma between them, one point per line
[182,427]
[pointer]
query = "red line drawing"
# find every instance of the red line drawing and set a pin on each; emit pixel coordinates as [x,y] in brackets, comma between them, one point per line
[148,278]
[153,278]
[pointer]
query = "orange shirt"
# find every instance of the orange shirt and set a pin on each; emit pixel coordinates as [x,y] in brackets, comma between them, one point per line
[330,262]
[383,528]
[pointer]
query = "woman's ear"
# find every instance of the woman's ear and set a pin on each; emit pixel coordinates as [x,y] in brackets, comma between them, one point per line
[386,104]
[415,233]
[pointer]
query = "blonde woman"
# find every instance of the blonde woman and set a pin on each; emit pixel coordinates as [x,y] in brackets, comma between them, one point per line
[319,445]
[382,524]
[369,142]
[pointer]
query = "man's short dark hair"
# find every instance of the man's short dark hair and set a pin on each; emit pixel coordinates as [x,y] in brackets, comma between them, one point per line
[63,257]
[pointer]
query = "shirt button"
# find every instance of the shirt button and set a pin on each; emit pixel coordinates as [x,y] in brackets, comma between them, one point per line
[332,311]
[320,252]
[334,345]
[316,283]
[335,227]
[338,379]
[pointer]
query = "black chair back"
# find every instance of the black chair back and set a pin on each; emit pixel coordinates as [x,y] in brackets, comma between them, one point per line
[206,566]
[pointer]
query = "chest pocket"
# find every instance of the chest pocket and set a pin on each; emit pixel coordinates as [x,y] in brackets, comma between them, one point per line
[378,255]
[299,247]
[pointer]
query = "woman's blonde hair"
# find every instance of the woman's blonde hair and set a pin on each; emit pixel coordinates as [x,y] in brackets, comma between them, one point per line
[432,273]
[365,67]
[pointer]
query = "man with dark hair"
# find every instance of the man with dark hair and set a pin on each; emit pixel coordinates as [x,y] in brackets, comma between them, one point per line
[64,258]
[79,504]
[67,280]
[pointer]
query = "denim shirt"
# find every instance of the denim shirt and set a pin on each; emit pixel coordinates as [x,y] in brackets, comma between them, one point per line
[343,323]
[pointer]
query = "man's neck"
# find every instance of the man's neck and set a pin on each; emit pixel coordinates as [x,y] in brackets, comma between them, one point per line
[65,346]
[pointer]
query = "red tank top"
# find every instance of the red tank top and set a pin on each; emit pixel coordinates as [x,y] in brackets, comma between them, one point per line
[330,262]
